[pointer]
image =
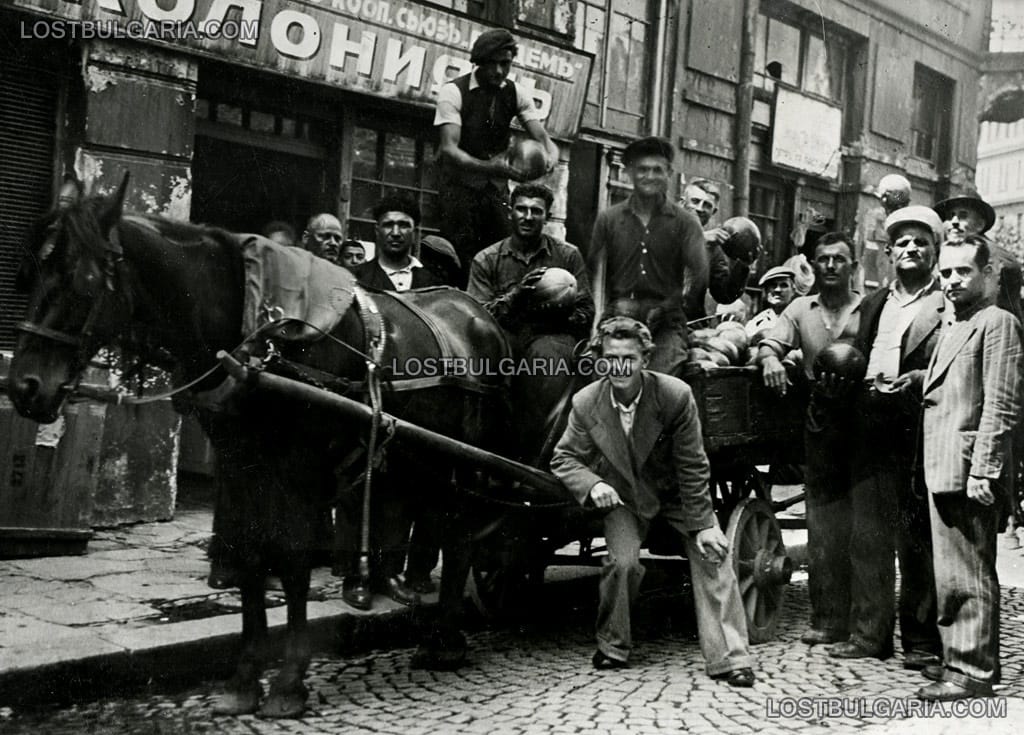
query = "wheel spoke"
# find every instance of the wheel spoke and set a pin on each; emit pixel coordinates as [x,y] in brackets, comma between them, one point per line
[764,528]
[745,584]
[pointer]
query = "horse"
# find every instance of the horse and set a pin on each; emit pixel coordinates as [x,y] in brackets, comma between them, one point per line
[173,291]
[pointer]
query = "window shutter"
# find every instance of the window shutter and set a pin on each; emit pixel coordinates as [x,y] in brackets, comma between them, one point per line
[716,29]
[894,94]
[28,119]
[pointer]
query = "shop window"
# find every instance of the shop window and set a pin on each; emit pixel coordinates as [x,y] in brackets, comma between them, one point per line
[552,15]
[619,33]
[384,163]
[767,208]
[797,56]
[933,107]
[259,121]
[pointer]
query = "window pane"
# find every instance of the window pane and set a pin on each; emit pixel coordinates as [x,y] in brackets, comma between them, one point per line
[552,14]
[364,154]
[784,49]
[590,31]
[633,8]
[364,199]
[428,214]
[618,60]
[760,42]
[817,78]
[429,166]
[636,88]
[400,160]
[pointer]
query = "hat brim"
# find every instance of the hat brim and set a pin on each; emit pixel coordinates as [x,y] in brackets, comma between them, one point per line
[944,207]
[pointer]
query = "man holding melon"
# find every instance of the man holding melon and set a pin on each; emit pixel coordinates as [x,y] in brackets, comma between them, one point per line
[473,116]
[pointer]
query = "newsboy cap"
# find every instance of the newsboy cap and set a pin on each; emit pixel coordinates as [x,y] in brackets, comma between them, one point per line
[652,146]
[918,215]
[779,271]
[490,43]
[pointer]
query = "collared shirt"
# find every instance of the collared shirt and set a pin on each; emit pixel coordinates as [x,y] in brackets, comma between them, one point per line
[449,103]
[898,313]
[402,277]
[808,326]
[626,413]
[666,258]
[762,323]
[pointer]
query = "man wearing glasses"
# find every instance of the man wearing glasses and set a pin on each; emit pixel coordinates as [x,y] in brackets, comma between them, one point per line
[810,324]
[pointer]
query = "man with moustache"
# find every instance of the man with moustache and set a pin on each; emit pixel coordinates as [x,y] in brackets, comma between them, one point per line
[647,256]
[972,402]
[322,236]
[633,449]
[473,116]
[810,324]
[898,330]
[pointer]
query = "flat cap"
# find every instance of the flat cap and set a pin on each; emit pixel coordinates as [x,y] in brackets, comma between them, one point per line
[652,146]
[490,43]
[918,215]
[946,206]
[779,271]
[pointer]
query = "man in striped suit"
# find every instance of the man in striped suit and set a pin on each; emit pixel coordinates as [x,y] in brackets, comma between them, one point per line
[972,399]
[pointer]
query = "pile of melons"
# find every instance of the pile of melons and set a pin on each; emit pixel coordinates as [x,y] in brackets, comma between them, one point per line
[725,345]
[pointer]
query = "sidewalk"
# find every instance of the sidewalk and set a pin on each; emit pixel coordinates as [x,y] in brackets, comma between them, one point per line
[136,609]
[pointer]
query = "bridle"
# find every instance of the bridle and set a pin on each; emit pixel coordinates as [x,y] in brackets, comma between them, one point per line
[113,255]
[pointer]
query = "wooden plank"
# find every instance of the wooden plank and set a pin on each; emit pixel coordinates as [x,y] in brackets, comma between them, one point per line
[714,42]
[894,94]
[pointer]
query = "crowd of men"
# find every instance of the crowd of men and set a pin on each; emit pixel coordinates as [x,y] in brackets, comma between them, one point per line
[913,463]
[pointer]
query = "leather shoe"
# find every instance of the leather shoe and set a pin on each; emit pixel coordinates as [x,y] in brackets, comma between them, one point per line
[604,662]
[918,660]
[813,636]
[737,677]
[947,691]
[396,589]
[933,672]
[852,649]
[358,596]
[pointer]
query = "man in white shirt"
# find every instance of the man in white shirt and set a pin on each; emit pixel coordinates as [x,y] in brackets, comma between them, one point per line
[899,328]
[473,116]
[394,267]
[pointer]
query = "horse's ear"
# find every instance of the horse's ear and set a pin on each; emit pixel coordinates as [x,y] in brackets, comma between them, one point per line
[112,212]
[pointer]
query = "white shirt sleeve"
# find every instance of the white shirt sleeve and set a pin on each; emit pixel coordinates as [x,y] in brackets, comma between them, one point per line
[449,105]
[526,110]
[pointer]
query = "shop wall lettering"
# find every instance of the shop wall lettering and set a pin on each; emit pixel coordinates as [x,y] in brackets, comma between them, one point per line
[389,48]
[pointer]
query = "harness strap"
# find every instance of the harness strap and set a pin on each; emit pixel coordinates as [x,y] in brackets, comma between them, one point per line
[41,331]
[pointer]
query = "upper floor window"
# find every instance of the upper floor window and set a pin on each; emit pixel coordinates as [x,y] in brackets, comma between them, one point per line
[788,53]
[932,117]
[620,34]
[552,15]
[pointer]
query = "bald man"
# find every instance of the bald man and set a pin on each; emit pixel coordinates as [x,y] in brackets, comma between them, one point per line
[322,236]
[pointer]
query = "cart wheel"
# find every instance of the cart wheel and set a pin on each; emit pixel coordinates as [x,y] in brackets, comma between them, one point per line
[762,567]
[501,586]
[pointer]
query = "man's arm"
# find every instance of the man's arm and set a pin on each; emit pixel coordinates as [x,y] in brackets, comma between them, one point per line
[536,131]
[691,467]
[483,287]
[695,263]
[568,463]
[779,340]
[451,135]
[583,310]
[1000,371]
[727,276]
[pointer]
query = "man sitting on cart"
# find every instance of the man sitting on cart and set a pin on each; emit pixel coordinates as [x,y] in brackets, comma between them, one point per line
[633,447]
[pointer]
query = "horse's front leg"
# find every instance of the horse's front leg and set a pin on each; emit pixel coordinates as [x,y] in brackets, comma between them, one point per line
[445,646]
[288,693]
[242,692]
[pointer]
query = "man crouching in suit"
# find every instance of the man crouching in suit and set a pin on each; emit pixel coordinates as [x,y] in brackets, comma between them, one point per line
[972,401]
[633,447]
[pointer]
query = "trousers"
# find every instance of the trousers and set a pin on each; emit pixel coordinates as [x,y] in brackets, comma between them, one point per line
[721,621]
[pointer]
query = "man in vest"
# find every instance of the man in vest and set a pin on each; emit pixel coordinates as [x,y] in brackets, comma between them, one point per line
[473,115]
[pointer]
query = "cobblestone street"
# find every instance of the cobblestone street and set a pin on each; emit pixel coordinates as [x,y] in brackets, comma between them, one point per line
[538,679]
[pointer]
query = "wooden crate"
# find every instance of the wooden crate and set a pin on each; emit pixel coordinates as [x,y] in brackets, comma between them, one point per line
[46,492]
[737,411]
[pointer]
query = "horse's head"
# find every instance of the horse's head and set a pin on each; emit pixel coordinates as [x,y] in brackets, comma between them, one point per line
[71,268]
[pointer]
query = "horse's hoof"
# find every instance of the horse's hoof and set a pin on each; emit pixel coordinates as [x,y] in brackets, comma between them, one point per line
[438,659]
[237,703]
[285,704]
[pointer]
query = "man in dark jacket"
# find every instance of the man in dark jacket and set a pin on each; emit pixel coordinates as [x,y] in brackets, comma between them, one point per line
[394,267]
[899,327]
[473,115]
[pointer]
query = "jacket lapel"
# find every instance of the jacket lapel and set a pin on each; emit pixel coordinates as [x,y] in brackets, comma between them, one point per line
[944,355]
[647,426]
[608,434]
[926,322]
